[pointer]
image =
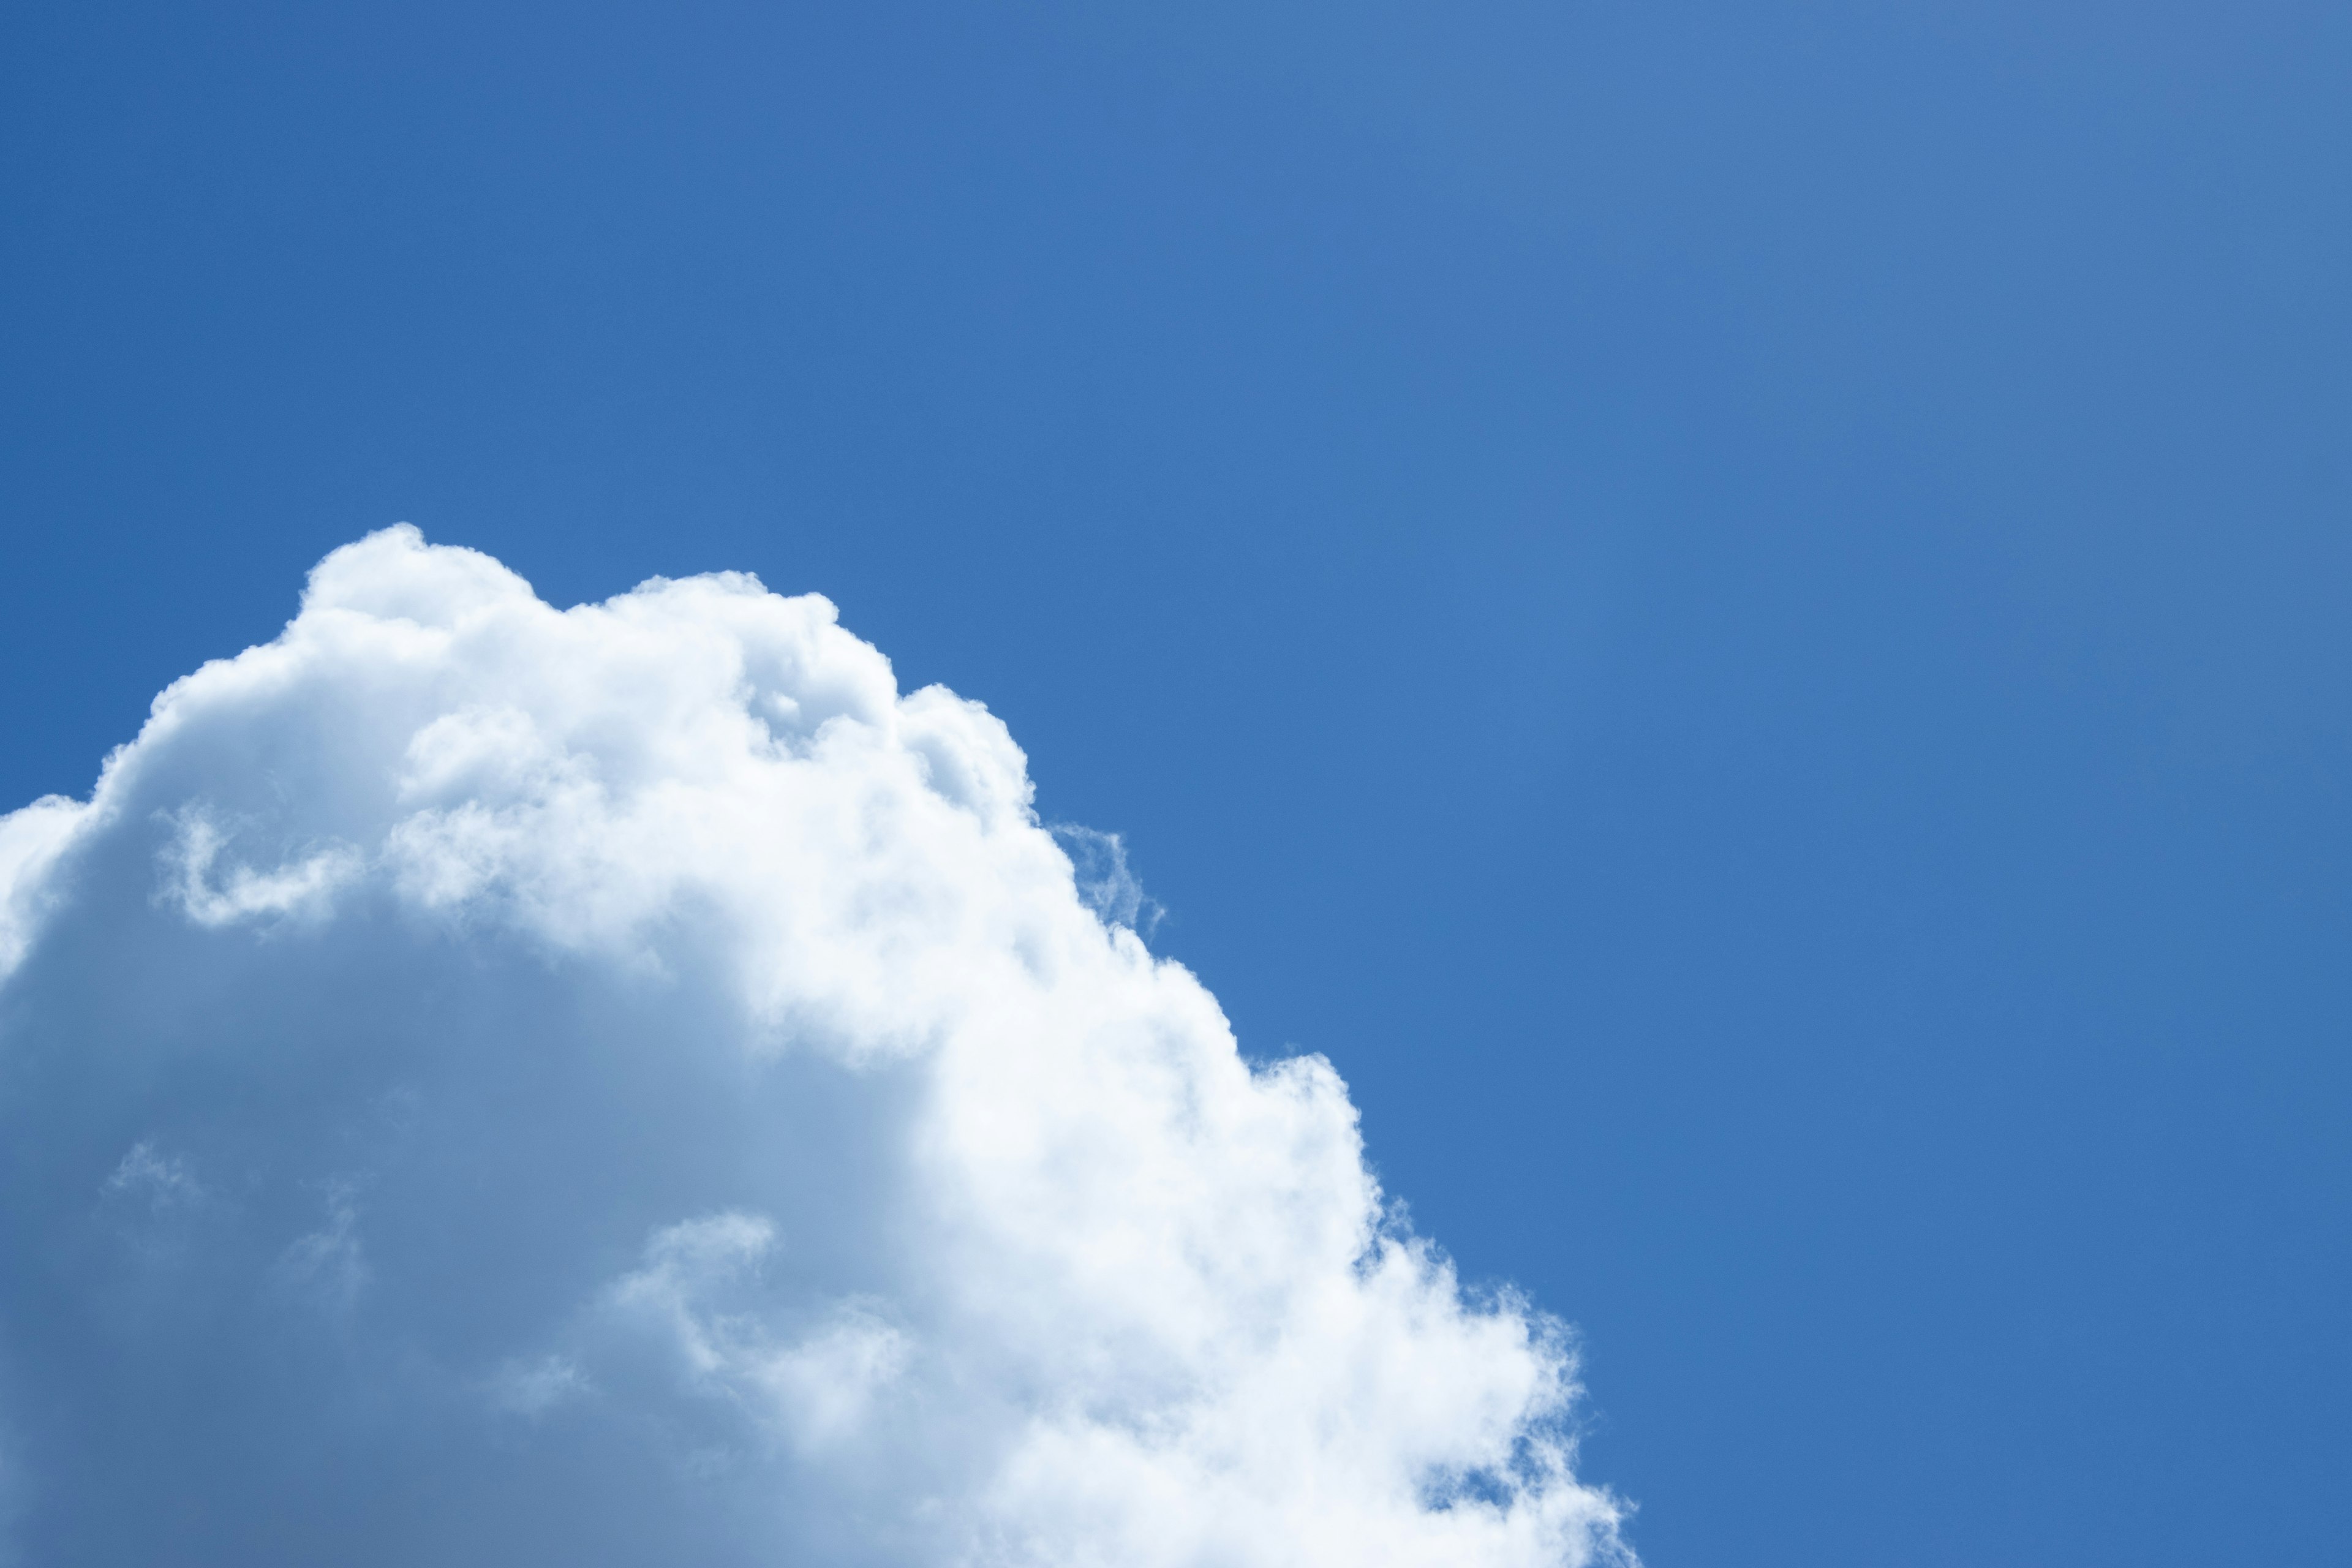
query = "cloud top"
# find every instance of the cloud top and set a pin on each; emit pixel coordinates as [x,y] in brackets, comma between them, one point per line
[485,1083]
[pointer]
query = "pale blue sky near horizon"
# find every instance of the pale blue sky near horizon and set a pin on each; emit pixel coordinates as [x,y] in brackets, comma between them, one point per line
[1739,611]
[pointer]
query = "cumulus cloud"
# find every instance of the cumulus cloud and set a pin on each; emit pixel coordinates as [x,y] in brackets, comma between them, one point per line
[482,1083]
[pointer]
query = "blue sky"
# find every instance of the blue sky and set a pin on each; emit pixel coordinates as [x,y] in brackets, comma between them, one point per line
[1737,611]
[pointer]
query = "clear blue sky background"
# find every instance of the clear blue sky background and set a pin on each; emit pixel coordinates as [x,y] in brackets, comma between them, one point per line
[1739,609]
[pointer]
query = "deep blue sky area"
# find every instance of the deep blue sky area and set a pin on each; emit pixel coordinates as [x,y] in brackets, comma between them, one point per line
[1739,610]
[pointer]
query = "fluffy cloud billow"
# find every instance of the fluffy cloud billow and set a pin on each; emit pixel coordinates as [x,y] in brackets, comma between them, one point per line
[487,1084]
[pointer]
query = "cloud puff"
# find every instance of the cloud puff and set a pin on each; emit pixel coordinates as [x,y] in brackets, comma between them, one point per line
[484,1084]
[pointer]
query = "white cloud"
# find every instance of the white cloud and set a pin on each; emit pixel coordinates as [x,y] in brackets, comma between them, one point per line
[161,1180]
[794,1157]
[211,895]
[536,1386]
[1107,884]
[328,1267]
[30,841]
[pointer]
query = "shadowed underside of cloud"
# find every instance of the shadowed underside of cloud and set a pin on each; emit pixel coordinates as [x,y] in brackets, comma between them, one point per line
[483,1084]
